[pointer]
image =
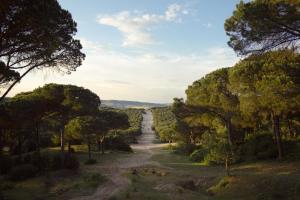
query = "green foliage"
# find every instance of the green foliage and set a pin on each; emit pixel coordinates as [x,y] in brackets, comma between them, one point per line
[22,172]
[259,147]
[135,117]
[25,52]
[117,143]
[184,148]
[260,26]
[198,155]
[164,123]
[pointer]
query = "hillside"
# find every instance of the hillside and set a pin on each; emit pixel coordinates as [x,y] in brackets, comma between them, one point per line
[129,104]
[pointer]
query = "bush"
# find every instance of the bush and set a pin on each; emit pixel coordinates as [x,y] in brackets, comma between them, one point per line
[291,149]
[259,147]
[56,162]
[71,162]
[90,162]
[198,155]
[186,149]
[22,172]
[6,164]
[117,143]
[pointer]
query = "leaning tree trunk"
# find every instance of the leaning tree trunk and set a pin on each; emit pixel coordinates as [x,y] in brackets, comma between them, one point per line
[277,134]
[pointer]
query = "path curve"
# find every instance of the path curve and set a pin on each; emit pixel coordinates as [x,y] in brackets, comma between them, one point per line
[114,170]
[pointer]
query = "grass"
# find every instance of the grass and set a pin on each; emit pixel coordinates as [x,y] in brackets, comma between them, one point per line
[264,180]
[269,180]
[62,184]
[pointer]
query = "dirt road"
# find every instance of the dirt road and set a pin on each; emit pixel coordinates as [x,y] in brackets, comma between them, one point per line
[115,169]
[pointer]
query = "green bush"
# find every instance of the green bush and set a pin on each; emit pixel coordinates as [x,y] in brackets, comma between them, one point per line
[259,147]
[183,148]
[6,164]
[22,172]
[198,155]
[117,143]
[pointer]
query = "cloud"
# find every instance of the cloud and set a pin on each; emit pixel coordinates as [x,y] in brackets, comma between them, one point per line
[146,77]
[135,27]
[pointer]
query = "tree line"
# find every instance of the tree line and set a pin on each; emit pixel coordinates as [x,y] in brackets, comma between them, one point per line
[253,106]
[71,114]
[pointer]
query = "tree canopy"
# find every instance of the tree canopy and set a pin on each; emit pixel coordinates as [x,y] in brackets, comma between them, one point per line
[36,34]
[263,25]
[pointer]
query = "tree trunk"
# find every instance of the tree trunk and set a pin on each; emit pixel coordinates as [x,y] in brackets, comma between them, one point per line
[62,146]
[102,144]
[276,131]
[69,146]
[227,166]
[290,128]
[62,140]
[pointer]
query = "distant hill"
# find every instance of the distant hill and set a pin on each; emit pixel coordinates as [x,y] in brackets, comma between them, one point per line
[129,104]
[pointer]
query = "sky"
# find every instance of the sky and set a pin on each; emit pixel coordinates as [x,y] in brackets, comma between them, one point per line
[144,50]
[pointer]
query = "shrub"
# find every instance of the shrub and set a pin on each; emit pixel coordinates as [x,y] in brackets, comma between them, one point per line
[6,164]
[56,162]
[41,161]
[198,155]
[90,162]
[186,149]
[118,143]
[22,172]
[259,147]
[291,149]
[71,162]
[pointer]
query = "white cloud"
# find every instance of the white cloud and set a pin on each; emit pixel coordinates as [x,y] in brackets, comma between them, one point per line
[135,26]
[145,77]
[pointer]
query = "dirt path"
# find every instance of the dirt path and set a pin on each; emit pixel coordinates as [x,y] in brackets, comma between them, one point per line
[114,170]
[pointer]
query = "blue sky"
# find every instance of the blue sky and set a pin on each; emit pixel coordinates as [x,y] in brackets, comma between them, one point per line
[144,50]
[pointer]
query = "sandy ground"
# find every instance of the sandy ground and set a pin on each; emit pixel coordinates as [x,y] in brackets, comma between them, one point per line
[115,169]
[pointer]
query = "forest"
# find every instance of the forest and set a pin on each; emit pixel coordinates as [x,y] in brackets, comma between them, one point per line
[234,135]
